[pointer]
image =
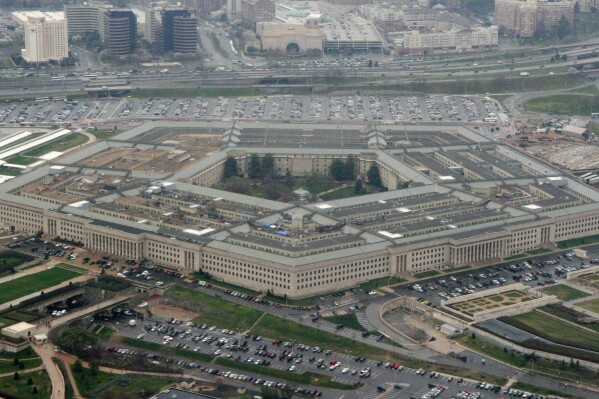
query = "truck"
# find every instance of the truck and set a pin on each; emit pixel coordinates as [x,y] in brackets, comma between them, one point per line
[524,74]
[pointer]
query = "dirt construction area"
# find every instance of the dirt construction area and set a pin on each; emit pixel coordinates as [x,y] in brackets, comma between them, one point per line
[170,312]
[491,302]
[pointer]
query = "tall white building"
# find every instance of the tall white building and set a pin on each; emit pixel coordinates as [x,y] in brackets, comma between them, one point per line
[233,9]
[46,36]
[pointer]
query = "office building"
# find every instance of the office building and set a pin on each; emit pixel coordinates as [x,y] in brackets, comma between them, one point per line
[470,200]
[173,30]
[253,11]
[457,39]
[45,35]
[117,28]
[524,17]
[119,31]
[233,9]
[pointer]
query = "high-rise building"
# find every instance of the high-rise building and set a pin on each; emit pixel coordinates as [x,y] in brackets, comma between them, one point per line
[120,31]
[253,11]
[85,18]
[524,17]
[173,29]
[233,9]
[117,28]
[45,35]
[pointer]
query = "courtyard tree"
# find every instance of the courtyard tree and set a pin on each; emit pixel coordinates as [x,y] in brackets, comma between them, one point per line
[255,171]
[268,166]
[338,169]
[374,176]
[231,168]
[350,167]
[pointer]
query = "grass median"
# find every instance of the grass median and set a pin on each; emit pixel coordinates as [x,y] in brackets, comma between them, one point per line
[555,330]
[216,311]
[349,320]
[31,283]
[559,370]
[305,378]
[154,347]
[564,292]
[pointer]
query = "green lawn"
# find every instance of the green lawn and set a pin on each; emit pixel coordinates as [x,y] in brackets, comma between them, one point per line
[568,314]
[592,305]
[135,387]
[574,242]
[349,320]
[546,366]
[564,104]
[8,260]
[593,127]
[29,284]
[72,268]
[217,311]
[345,192]
[430,273]
[564,292]
[87,382]
[277,328]
[105,333]
[21,160]
[8,366]
[556,331]
[26,353]
[9,172]
[61,144]
[306,378]
[310,301]
[20,390]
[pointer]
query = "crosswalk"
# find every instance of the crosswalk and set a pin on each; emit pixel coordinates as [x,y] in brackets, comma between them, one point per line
[361,316]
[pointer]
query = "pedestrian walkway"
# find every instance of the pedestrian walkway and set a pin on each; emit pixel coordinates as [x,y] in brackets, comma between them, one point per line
[46,352]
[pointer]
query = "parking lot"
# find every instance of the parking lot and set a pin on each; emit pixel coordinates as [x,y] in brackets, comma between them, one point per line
[537,272]
[390,380]
[409,110]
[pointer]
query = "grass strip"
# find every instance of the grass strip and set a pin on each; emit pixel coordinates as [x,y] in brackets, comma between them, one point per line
[214,310]
[29,284]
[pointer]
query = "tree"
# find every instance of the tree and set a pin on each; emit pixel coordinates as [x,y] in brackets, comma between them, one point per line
[15,362]
[564,57]
[34,391]
[255,171]
[358,187]
[16,376]
[473,336]
[94,368]
[563,28]
[369,63]
[29,381]
[79,342]
[231,168]
[268,166]
[21,365]
[374,176]
[77,366]
[350,167]
[338,169]
[289,179]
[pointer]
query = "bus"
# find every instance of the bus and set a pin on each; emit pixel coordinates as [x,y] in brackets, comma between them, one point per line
[123,75]
[42,99]
[595,115]
[57,78]
[91,75]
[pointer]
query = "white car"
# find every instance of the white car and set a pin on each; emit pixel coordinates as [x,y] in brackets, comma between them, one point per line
[345,370]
